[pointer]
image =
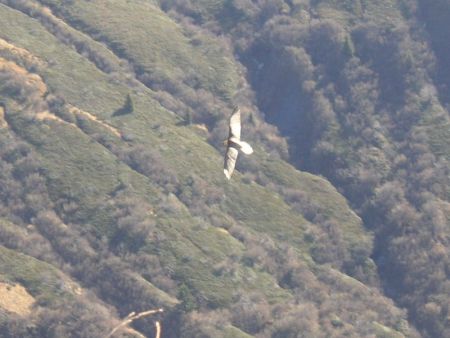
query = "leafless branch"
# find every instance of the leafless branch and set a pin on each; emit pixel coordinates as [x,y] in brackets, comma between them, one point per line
[132,317]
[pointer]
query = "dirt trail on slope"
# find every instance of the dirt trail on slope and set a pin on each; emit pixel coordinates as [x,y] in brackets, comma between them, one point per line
[38,87]
[16,299]
[78,111]
[34,82]
[47,115]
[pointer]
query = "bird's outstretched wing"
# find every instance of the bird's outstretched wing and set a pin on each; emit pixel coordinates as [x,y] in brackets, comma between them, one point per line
[235,124]
[230,161]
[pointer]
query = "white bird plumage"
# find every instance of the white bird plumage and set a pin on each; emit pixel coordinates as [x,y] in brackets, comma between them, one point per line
[234,143]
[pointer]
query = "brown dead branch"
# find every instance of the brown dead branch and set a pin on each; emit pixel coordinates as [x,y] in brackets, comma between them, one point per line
[132,317]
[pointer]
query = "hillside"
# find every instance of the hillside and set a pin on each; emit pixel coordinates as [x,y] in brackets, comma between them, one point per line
[112,193]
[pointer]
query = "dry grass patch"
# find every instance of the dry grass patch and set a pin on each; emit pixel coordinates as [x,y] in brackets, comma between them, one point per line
[77,111]
[32,80]
[3,123]
[46,115]
[15,298]
[21,53]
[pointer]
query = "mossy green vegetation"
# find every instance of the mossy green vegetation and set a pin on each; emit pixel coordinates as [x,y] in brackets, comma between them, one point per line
[135,205]
[157,45]
[40,279]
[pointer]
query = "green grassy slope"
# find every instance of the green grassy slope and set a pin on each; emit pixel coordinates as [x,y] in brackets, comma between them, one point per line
[134,29]
[41,280]
[90,176]
[359,88]
[85,163]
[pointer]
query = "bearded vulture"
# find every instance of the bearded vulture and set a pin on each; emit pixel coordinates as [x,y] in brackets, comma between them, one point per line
[234,143]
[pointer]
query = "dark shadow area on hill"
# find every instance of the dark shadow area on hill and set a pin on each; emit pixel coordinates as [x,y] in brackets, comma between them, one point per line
[127,108]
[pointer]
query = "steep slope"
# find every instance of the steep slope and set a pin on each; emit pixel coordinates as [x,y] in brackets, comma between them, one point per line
[134,205]
[435,15]
[359,90]
[40,293]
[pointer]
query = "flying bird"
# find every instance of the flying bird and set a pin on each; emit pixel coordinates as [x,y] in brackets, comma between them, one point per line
[234,143]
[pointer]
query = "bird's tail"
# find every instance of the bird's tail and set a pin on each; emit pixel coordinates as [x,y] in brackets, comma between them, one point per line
[227,173]
[245,147]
